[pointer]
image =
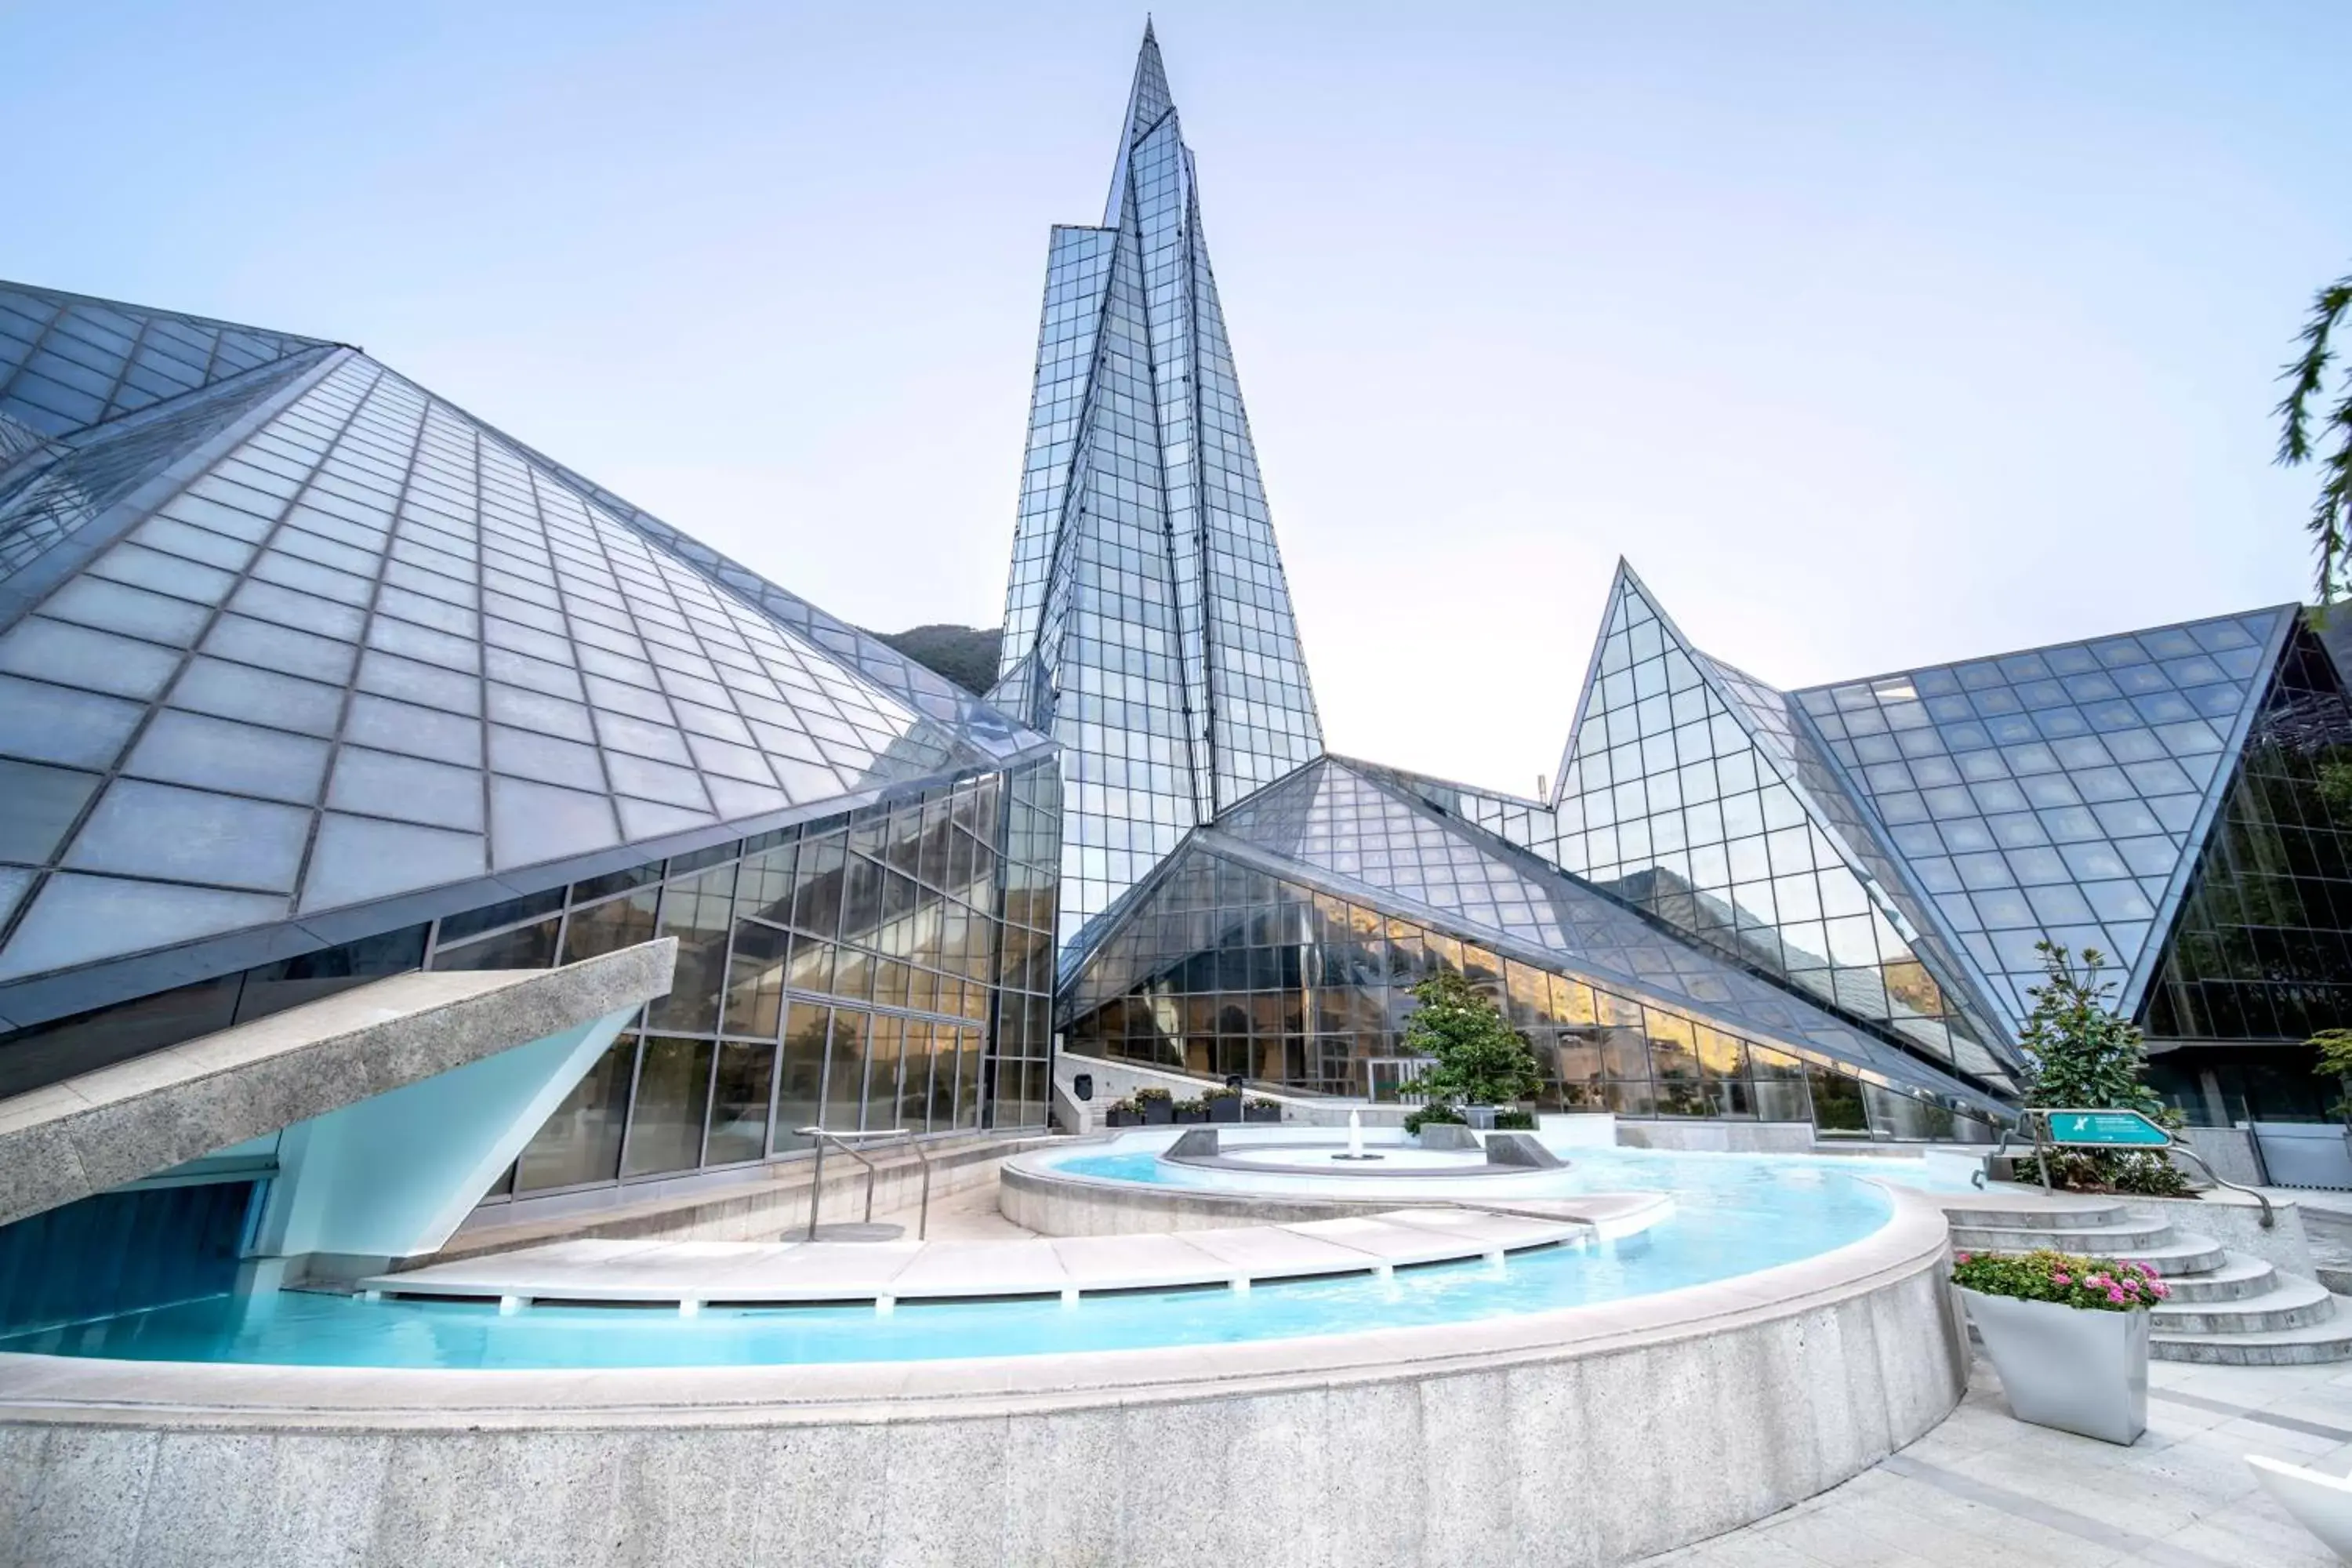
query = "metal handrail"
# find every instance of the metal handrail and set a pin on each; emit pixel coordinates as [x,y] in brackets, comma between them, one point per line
[2172,1146]
[847,1143]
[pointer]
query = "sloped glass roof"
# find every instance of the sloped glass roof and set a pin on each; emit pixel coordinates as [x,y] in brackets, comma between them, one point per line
[375,647]
[43,503]
[1362,836]
[2057,792]
[67,362]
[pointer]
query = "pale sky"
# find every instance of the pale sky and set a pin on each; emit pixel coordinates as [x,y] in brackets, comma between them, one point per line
[1874,334]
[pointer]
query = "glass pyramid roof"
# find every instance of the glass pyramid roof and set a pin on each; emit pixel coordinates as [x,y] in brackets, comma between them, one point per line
[1148,620]
[353,647]
[68,362]
[1351,828]
[1686,790]
[2058,791]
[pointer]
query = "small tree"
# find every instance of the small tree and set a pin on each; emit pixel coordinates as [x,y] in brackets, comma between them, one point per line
[1480,1058]
[2084,1054]
[2334,1048]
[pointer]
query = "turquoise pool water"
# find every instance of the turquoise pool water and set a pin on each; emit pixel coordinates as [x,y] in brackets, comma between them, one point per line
[1734,1214]
[1606,1170]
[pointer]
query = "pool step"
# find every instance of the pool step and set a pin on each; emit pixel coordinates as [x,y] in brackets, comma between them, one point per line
[2289,1303]
[2329,1340]
[2063,1215]
[2238,1277]
[2127,1238]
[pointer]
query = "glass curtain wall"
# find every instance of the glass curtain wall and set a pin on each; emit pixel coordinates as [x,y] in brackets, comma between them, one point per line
[849,973]
[1243,973]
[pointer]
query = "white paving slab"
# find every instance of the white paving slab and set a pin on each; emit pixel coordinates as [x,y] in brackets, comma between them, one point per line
[749,1272]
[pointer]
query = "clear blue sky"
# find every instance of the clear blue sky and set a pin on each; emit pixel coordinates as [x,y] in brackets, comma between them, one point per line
[1874,333]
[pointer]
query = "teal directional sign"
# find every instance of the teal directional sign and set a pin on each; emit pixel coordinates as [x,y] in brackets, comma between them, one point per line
[2106,1128]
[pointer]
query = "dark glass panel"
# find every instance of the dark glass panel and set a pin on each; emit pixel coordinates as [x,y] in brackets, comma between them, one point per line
[47,1053]
[700,913]
[739,1103]
[610,926]
[1837,1102]
[816,885]
[665,1122]
[457,928]
[273,988]
[596,887]
[525,947]
[581,1143]
[766,889]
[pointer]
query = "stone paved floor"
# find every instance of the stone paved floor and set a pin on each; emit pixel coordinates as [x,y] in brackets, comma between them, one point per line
[967,1215]
[1984,1490]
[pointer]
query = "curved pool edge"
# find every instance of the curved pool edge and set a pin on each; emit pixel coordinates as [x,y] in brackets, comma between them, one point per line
[1034,1192]
[1581,1435]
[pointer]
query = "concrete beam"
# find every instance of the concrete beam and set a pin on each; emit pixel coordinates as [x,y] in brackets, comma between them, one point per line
[94,1132]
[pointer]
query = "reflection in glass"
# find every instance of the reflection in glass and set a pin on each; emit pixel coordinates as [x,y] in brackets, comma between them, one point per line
[581,1142]
[739,1103]
[672,1087]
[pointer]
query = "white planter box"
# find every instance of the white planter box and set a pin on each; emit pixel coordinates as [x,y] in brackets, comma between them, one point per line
[2068,1367]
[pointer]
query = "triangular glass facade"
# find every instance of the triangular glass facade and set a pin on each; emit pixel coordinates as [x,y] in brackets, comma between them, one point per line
[1685,791]
[332,643]
[1147,622]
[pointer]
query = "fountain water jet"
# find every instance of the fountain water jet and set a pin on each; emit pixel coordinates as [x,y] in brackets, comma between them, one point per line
[1355,1139]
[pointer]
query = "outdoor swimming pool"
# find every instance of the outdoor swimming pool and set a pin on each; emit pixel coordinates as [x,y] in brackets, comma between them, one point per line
[1734,1214]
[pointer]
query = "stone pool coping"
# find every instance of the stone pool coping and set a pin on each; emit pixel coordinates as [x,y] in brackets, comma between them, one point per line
[1035,1192]
[49,1390]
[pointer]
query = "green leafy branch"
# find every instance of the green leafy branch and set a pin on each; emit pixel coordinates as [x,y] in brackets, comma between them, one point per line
[2307,379]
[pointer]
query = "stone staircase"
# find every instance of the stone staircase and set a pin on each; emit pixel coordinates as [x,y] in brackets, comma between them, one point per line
[2226,1308]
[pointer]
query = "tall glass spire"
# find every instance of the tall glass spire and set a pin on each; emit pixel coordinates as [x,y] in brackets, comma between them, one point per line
[1147,622]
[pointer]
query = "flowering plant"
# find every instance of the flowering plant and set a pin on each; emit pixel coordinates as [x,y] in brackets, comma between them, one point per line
[2093,1284]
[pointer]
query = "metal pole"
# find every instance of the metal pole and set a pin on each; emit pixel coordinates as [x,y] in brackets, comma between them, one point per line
[923,1214]
[817,1185]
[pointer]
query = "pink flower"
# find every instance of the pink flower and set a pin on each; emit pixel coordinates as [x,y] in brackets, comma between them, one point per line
[2160,1291]
[2115,1296]
[1963,1258]
[2061,1278]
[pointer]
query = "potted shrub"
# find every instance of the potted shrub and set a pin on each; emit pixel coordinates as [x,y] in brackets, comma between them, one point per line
[1156,1105]
[1222,1103]
[1515,1120]
[1189,1111]
[1261,1109]
[2068,1334]
[1122,1113]
[1478,1061]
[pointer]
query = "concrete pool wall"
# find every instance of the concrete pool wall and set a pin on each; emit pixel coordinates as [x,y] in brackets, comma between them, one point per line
[1581,1436]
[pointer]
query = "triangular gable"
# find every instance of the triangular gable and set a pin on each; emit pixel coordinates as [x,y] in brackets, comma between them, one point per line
[2058,791]
[1681,791]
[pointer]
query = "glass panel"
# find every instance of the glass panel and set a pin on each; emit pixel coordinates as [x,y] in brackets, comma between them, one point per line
[183,748]
[799,1094]
[525,947]
[699,911]
[844,1073]
[581,1141]
[738,1108]
[666,1123]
